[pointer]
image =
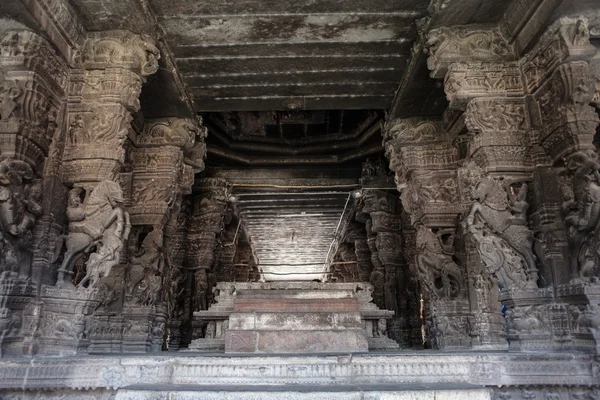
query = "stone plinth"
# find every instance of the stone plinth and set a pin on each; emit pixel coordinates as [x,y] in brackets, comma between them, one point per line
[296,307]
[298,321]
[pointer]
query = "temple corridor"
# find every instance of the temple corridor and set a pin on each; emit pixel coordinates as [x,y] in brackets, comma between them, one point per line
[333,199]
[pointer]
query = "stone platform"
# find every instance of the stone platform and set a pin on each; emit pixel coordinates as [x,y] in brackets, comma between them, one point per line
[294,317]
[415,376]
[300,321]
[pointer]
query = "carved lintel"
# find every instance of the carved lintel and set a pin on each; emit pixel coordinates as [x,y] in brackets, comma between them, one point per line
[448,45]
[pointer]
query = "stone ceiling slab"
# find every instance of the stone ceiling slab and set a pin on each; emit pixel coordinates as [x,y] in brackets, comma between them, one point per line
[271,55]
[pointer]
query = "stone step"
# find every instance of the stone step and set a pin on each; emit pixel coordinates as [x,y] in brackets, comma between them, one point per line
[295,293]
[295,305]
[300,321]
[293,341]
[306,392]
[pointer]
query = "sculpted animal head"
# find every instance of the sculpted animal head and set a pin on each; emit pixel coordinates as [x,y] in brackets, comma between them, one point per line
[14,172]
[489,191]
[107,192]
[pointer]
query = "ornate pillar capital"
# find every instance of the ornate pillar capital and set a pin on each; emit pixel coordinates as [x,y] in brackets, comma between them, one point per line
[566,40]
[500,128]
[119,49]
[449,45]
[414,144]
[162,169]
[33,81]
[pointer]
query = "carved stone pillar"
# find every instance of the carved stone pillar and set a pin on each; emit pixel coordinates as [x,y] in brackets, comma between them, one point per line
[209,204]
[525,116]
[389,275]
[33,82]
[424,161]
[559,78]
[103,94]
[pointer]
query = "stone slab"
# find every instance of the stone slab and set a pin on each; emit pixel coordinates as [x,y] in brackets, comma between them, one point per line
[295,305]
[408,368]
[308,393]
[315,341]
[295,321]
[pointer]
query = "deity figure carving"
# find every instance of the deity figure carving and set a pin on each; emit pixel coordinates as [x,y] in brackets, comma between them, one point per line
[146,269]
[201,290]
[99,227]
[441,275]
[581,210]
[9,92]
[20,206]
[504,241]
[175,290]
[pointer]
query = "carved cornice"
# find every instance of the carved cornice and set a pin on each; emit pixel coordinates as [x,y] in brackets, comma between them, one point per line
[123,49]
[448,45]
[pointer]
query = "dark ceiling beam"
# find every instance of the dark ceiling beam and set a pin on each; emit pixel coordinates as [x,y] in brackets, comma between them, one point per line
[311,160]
[370,124]
[282,103]
[294,151]
[351,72]
[286,48]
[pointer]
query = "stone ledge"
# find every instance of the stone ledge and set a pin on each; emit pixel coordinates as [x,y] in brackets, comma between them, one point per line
[294,305]
[307,393]
[422,368]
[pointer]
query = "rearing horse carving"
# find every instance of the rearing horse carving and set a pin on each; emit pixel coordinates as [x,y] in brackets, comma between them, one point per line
[492,208]
[98,223]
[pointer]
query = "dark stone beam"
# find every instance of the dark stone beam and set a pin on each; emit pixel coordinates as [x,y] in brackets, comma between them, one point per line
[333,88]
[314,102]
[287,64]
[315,48]
[260,160]
[350,73]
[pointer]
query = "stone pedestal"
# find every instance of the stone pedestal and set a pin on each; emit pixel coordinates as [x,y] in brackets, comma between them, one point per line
[267,323]
[63,312]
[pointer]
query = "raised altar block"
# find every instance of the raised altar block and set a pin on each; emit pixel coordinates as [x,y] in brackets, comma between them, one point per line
[294,317]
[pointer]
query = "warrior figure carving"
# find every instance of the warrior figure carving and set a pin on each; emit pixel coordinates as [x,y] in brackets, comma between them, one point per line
[98,223]
[504,241]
